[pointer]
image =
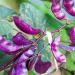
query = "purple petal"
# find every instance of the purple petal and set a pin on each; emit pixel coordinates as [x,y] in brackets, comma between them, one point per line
[22,25]
[19,39]
[42,67]
[69,6]
[8,47]
[26,55]
[55,50]
[56,9]
[20,69]
[67,48]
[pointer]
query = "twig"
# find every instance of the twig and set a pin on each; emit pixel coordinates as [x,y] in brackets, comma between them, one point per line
[64,69]
[61,28]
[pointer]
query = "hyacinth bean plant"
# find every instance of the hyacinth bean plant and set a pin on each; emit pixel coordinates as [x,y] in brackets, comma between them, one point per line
[38,38]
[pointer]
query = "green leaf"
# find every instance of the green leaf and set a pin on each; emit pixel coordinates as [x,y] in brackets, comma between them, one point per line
[1,73]
[47,4]
[45,52]
[2,54]
[32,16]
[51,20]
[39,47]
[70,64]
[38,15]
[31,73]
[73,56]
[21,1]
[5,27]
[63,35]
[62,51]
[5,12]
[52,23]
[66,73]
[5,59]
[46,55]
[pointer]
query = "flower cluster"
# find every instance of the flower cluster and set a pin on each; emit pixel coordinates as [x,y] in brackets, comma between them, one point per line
[24,49]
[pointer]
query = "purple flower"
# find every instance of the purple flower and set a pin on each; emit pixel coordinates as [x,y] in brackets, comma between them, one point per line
[42,67]
[55,50]
[56,9]
[19,39]
[19,69]
[8,47]
[22,25]
[72,34]
[69,6]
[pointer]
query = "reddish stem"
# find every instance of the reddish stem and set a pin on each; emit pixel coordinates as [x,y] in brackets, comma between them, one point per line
[61,28]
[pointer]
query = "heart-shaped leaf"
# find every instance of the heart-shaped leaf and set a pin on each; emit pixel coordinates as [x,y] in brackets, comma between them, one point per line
[5,12]
[5,27]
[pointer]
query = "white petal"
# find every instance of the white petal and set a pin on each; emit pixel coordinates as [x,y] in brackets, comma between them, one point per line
[29,52]
[49,35]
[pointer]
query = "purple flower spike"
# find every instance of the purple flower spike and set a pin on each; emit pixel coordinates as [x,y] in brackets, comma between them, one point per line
[20,69]
[72,34]
[56,9]
[22,25]
[19,39]
[69,6]
[8,47]
[54,48]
